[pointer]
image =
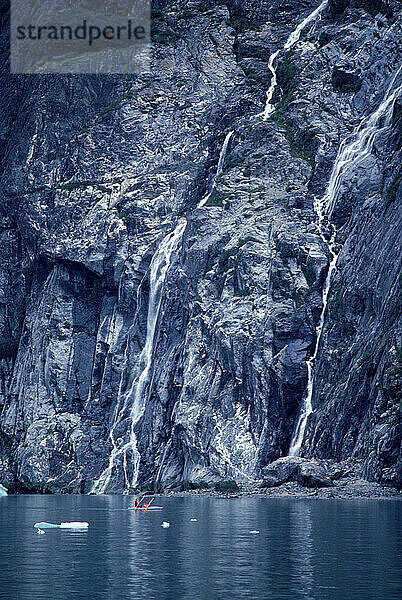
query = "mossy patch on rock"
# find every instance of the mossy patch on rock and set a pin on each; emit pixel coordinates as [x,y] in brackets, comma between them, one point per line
[187,486]
[216,199]
[227,486]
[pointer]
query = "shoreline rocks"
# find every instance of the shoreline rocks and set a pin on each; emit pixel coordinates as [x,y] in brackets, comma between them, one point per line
[307,472]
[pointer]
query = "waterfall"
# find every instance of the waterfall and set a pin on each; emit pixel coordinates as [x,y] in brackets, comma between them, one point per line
[291,41]
[219,169]
[139,390]
[353,150]
[159,268]
[306,405]
[356,147]
[269,108]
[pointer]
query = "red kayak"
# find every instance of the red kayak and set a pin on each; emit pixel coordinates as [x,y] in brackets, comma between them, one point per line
[145,503]
[145,507]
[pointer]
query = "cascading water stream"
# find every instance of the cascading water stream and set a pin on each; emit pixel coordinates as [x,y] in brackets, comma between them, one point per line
[159,268]
[353,150]
[269,108]
[291,41]
[356,147]
[306,406]
[219,169]
[138,392]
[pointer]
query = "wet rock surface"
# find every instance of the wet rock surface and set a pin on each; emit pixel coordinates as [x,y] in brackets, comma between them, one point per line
[342,480]
[97,171]
[308,473]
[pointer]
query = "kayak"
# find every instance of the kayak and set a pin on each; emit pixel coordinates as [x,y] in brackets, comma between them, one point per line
[143,508]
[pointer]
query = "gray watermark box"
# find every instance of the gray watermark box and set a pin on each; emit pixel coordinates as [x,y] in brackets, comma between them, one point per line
[80,36]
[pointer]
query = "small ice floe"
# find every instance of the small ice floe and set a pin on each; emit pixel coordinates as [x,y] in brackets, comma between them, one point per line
[40,531]
[3,490]
[71,525]
[74,525]
[44,525]
[193,520]
[165,524]
[254,531]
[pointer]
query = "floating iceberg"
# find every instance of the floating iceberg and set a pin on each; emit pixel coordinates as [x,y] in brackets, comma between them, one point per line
[3,490]
[72,525]
[165,524]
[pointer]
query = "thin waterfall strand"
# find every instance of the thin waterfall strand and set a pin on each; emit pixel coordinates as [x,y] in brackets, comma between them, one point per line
[307,406]
[290,42]
[351,152]
[269,108]
[159,268]
[139,389]
[356,147]
[219,169]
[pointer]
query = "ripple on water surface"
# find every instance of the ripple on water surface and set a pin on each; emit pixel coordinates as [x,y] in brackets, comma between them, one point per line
[313,549]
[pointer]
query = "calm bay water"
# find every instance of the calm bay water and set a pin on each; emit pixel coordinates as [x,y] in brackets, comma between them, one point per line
[306,549]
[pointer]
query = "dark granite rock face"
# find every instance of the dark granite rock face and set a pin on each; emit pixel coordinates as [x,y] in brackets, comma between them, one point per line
[98,171]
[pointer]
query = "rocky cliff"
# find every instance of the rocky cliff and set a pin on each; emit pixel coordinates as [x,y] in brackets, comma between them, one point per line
[156,320]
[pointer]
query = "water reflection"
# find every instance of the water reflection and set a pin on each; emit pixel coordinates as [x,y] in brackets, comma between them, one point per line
[302,549]
[320,550]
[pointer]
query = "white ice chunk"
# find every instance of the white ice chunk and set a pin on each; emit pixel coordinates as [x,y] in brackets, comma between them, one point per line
[3,490]
[71,525]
